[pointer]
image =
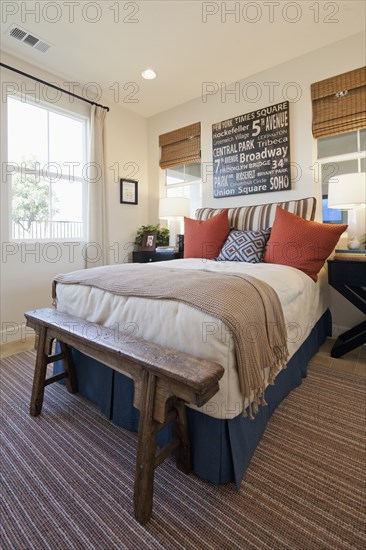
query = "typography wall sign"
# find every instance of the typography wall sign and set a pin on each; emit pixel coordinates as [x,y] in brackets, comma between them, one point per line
[251,152]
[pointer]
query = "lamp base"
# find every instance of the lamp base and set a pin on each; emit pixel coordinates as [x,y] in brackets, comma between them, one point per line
[354,244]
[356,228]
[174,230]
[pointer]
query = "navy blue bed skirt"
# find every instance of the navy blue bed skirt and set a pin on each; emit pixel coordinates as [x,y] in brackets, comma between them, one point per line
[221,449]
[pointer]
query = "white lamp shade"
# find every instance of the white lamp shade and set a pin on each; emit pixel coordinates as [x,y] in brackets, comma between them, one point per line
[347,191]
[171,207]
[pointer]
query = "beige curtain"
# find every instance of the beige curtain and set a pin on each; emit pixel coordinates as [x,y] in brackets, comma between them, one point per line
[96,252]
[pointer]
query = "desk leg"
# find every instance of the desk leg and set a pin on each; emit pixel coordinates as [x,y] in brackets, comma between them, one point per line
[349,340]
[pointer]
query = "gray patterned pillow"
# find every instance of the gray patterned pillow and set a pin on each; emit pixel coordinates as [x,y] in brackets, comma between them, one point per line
[244,246]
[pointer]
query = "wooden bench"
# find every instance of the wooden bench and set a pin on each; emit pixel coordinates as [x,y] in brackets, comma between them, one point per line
[164,380]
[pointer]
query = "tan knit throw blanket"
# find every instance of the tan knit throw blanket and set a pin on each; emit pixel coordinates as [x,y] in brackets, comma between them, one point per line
[249,308]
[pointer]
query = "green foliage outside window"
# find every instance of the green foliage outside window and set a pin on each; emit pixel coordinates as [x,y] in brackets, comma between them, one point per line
[31,199]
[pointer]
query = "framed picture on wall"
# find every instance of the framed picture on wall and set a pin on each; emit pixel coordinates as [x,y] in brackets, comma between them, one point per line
[128,191]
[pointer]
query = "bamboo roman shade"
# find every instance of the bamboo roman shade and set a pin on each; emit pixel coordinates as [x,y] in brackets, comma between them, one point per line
[182,146]
[339,103]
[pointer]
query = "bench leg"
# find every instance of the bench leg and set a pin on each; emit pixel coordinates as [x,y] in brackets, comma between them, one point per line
[180,429]
[39,374]
[71,383]
[145,460]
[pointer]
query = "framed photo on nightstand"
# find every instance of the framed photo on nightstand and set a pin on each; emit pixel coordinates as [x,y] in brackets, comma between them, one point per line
[128,191]
[149,241]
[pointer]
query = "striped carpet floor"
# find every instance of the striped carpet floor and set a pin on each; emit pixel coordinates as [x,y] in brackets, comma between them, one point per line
[67,476]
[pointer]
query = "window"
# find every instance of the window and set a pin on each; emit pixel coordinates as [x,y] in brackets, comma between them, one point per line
[181,161]
[338,155]
[47,160]
[185,181]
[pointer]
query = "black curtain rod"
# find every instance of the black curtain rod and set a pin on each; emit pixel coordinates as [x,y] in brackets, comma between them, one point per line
[52,86]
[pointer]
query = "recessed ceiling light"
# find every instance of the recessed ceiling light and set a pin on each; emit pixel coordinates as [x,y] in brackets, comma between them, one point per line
[149,74]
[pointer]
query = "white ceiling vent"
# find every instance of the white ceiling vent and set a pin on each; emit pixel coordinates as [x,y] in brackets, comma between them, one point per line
[26,37]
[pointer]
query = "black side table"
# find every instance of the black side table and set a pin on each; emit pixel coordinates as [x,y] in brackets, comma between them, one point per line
[349,279]
[145,257]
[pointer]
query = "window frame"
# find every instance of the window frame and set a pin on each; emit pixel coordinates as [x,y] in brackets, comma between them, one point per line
[358,156]
[28,171]
[182,185]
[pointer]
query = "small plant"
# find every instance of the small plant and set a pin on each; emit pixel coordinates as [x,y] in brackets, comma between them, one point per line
[163,234]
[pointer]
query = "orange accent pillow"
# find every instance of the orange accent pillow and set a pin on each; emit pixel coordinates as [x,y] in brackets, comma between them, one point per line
[300,243]
[205,238]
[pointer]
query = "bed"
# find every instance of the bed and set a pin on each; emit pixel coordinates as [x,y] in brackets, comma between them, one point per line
[223,440]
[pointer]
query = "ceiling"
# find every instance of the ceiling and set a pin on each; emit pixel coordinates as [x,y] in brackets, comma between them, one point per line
[186,42]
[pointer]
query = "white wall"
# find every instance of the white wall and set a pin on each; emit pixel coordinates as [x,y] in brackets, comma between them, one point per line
[338,58]
[26,279]
[27,269]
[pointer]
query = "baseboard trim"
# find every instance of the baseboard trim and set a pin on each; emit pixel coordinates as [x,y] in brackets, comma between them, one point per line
[337,330]
[15,332]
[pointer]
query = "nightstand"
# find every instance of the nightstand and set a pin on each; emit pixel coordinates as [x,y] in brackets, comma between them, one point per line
[349,279]
[145,257]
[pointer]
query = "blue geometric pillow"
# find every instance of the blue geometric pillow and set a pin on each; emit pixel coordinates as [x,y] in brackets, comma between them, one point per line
[244,246]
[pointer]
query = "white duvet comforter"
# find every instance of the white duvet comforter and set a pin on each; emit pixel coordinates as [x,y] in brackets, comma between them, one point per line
[180,326]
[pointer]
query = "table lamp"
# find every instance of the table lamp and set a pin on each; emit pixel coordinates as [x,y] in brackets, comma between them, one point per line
[348,192]
[171,209]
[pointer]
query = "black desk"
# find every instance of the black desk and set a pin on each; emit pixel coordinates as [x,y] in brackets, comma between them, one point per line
[349,279]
